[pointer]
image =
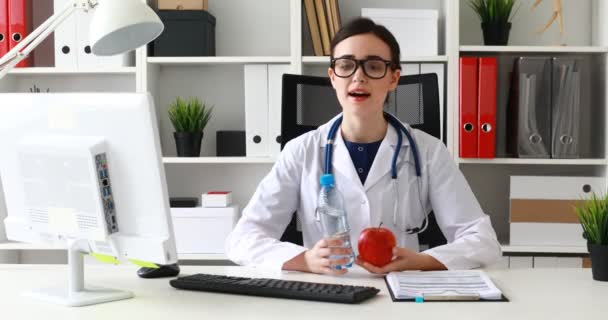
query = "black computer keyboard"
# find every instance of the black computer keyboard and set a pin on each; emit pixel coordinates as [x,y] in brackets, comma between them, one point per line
[275,288]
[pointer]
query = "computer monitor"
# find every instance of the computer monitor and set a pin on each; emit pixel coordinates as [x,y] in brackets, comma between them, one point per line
[84,171]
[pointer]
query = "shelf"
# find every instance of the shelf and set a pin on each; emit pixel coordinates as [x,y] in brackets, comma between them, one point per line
[543,249]
[325,59]
[216,60]
[594,162]
[26,246]
[532,49]
[202,256]
[220,160]
[60,71]
[181,256]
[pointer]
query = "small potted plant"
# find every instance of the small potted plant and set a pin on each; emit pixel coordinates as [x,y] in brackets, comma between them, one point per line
[495,16]
[189,119]
[593,215]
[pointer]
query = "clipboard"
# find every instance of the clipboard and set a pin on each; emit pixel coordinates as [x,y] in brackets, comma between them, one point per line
[454,298]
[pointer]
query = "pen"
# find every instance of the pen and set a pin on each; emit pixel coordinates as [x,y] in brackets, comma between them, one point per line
[451,297]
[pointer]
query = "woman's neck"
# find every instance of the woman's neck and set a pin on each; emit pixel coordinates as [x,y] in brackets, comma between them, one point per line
[364,130]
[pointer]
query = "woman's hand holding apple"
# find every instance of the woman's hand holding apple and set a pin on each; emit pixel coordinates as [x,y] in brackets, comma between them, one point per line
[378,253]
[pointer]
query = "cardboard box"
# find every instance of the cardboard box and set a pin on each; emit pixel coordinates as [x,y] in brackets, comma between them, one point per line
[183,5]
[203,230]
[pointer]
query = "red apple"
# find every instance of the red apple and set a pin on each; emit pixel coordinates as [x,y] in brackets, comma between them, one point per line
[376,246]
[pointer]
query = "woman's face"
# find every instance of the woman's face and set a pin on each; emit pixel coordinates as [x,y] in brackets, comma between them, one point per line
[359,94]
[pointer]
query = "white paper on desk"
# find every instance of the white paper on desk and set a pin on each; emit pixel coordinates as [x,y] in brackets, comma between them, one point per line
[410,284]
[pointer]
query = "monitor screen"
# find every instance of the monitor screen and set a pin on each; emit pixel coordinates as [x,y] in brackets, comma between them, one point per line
[86,166]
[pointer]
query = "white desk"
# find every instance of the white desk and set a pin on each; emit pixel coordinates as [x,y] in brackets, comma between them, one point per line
[534,294]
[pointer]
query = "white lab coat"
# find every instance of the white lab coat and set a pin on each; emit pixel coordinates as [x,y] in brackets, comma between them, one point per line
[293,185]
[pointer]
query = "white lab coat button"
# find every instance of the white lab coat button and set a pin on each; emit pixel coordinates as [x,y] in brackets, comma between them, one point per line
[363,202]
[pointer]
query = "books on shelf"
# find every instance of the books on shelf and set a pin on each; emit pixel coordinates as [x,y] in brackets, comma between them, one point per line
[323,17]
[442,285]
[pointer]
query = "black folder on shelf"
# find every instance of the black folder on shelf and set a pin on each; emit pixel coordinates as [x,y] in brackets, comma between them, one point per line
[530,108]
[566,100]
[442,286]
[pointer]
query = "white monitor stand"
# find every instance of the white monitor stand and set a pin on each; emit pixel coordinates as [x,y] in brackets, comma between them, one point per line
[76,294]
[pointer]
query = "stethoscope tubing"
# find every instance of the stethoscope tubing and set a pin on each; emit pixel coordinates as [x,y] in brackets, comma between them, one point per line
[401,129]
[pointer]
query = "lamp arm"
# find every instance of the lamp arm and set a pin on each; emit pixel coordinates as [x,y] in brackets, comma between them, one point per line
[29,43]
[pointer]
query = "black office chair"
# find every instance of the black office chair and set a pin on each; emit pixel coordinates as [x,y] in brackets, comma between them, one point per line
[309,102]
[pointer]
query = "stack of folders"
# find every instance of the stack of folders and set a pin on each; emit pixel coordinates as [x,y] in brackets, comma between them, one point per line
[544,103]
[477,107]
[15,24]
[263,92]
[73,45]
[442,285]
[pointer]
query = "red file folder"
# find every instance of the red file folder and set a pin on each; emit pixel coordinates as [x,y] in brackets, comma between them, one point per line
[486,112]
[18,26]
[468,107]
[3,27]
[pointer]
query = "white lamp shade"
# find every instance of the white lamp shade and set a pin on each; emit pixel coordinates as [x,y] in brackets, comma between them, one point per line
[119,26]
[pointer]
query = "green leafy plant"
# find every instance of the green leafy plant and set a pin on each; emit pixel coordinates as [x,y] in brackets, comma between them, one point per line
[189,116]
[593,215]
[494,11]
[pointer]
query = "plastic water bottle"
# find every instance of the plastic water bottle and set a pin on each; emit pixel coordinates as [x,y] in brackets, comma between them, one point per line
[331,213]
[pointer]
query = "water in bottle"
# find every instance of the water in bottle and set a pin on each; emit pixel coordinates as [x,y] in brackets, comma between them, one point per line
[331,213]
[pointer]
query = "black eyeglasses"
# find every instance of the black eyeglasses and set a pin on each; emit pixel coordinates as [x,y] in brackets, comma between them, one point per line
[374,68]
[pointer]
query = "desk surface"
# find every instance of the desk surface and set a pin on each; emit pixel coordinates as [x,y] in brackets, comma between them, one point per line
[534,294]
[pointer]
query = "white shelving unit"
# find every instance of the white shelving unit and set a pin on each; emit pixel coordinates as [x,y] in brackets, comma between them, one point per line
[277,33]
[59,71]
[585,37]
[532,49]
[544,249]
[580,162]
[166,61]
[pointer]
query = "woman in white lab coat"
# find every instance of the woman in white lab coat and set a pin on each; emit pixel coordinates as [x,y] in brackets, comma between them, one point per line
[293,183]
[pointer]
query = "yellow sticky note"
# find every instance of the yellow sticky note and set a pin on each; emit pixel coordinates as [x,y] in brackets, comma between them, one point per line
[104,258]
[144,264]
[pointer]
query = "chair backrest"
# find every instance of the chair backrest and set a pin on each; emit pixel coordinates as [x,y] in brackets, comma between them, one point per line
[310,101]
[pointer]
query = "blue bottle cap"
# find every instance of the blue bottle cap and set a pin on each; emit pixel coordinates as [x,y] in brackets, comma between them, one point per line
[326,180]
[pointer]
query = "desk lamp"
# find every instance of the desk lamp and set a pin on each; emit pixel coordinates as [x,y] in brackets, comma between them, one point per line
[118,26]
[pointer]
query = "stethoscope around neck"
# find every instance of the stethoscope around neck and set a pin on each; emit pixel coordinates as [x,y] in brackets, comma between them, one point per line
[401,129]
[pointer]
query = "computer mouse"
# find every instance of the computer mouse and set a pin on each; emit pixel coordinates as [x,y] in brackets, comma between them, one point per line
[164,271]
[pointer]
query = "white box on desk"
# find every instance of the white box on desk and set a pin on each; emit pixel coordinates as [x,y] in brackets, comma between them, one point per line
[414,29]
[203,230]
[541,209]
